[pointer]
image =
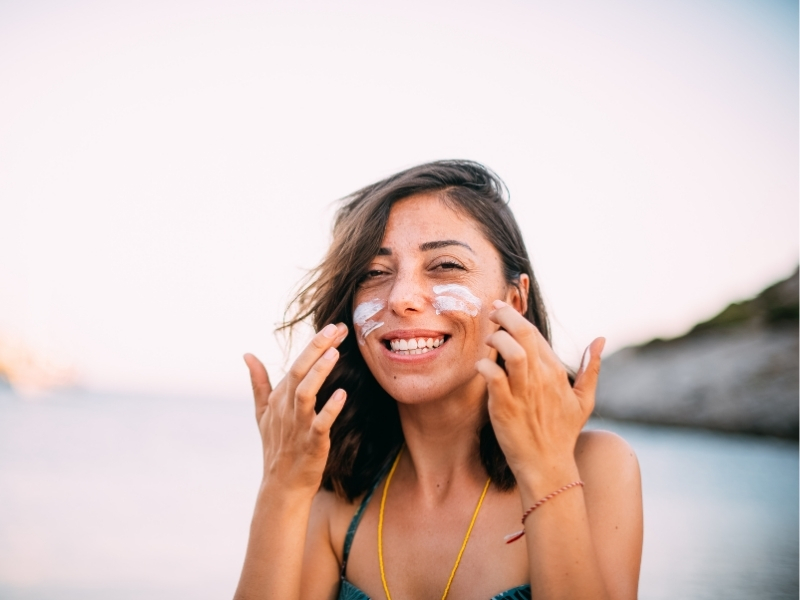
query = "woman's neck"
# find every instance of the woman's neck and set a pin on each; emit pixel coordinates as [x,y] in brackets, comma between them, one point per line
[442,443]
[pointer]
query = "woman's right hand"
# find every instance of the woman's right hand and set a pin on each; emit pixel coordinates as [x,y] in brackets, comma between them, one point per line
[295,438]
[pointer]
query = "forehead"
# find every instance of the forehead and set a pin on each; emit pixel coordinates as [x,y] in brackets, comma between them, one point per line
[426,218]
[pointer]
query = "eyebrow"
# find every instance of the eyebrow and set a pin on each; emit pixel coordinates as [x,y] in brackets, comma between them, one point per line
[430,246]
[443,244]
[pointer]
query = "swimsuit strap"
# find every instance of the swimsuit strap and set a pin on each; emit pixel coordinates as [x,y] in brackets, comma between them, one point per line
[351,531]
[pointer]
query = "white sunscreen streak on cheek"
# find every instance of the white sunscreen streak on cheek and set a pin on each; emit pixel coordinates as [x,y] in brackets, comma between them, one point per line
[454,297]
[369,327]
[366,310]
[362,314]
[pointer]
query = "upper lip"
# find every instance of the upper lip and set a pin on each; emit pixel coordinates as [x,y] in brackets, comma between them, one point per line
[407,334]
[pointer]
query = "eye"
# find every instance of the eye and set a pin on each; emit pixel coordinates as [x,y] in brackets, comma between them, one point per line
[448,264]
[371,274]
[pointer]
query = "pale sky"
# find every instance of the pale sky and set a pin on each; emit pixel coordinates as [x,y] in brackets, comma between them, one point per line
[168,169]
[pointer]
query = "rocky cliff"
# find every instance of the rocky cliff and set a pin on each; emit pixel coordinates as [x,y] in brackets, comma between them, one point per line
[735,372]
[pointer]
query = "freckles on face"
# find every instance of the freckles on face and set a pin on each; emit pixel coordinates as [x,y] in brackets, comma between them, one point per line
[420,306]
[362,317]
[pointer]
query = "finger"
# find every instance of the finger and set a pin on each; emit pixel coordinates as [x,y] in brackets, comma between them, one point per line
[496,379]
[586,380]
[322,423]
[520,329]
[259,379]
[326,338]
[343,331]
[524,332]
[306,392]
[515,357]
[509,319]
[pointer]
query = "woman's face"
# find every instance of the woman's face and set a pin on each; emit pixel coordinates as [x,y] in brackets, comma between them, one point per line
[421,311]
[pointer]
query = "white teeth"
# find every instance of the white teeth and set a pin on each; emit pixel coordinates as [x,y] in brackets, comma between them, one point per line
[415,345]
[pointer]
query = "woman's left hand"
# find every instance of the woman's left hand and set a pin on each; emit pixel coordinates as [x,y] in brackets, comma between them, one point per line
[535,412]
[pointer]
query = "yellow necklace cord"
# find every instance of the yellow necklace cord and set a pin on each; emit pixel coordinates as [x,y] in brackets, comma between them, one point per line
[466,538]
[380,523]
[463,544]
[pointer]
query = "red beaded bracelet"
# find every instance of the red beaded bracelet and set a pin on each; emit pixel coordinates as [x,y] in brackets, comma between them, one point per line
[513,537]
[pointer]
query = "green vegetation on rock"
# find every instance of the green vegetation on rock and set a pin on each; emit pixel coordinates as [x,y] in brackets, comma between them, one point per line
[778,304]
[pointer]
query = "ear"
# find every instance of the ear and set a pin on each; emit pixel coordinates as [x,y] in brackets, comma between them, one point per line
[517,295]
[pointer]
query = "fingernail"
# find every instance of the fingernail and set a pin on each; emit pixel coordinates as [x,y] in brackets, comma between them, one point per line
[330,330]
[499,304]
[330,353]
[338,395]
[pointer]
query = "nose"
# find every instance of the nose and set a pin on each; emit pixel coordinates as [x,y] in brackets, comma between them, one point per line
[408,294]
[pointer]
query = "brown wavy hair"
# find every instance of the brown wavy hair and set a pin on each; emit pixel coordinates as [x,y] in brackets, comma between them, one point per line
[367,433]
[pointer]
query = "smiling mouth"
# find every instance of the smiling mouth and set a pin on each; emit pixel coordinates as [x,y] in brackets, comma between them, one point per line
[414,345]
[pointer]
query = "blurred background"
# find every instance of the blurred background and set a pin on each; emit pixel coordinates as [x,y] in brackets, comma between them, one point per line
[168,171]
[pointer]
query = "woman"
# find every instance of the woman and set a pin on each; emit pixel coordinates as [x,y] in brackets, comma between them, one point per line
[431,382]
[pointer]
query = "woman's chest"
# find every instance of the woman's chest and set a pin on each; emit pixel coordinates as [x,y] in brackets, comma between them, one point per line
[420,549]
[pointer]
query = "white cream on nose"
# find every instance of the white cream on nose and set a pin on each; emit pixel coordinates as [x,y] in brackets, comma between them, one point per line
[453,297]
[362,317]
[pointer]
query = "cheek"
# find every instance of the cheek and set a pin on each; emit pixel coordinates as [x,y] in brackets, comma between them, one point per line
[456,298]
[462,305]
[363,318]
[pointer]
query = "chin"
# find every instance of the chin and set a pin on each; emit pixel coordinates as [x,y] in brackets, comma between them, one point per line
[412,389]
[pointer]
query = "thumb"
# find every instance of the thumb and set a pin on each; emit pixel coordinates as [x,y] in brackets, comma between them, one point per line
[586,380]
[260,382]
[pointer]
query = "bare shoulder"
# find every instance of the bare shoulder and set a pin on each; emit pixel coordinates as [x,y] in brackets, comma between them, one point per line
[603,453]
[613,494]
[330,518]
[610,471]
[318,536]
[324,542]
[601,439]
[325,502]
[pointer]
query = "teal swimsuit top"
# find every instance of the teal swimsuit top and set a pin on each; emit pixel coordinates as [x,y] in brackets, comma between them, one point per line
[347,591]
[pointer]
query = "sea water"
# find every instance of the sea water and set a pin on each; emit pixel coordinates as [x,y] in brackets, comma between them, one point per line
[133,497]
